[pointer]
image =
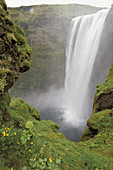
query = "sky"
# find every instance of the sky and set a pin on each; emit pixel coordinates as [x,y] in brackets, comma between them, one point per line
[98,3]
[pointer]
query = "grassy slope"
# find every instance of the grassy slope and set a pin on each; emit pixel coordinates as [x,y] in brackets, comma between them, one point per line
[28,143]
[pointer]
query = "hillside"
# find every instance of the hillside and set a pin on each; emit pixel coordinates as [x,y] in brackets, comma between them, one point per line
[46,28]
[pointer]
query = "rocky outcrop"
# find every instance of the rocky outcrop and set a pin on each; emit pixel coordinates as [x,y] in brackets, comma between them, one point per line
[102,117]
[46,28]
[104,96]
[14,56]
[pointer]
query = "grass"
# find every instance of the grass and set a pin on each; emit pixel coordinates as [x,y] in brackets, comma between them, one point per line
[39,145]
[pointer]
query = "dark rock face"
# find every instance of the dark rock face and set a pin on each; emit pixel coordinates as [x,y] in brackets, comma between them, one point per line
[14,56]
[105,101]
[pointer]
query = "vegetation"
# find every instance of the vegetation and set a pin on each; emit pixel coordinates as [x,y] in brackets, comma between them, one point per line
[27,143]
[14,52]
[104,90]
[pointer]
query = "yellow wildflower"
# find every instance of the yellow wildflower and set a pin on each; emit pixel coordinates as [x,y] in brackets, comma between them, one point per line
[14,133]
[2,125]
[31,143]
[50,160]
[3,133]
[42,163]
[29,150]
[34,159]
[11,168]
[7,134]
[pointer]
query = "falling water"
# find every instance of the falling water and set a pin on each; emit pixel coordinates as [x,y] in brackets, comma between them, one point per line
[82,46]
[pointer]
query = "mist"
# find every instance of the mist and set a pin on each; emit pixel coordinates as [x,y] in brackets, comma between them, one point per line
[50,100]
[52,103]
[52,107]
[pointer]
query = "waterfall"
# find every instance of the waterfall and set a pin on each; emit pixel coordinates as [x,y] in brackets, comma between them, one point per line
[82,47]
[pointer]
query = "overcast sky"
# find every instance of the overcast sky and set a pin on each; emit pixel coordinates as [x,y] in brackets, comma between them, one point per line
[99,3]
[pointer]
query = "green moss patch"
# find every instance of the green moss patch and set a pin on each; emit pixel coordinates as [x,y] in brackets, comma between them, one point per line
[12,38]
[20,110]
[28,143]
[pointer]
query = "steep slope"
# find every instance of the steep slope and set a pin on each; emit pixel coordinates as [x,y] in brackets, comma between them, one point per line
[46,28]
[14,57]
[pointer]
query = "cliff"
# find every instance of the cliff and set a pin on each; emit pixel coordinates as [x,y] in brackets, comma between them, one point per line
[28,143]
[14,57]
[46,28]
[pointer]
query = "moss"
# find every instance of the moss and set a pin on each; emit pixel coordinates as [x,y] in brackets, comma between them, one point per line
[22,111]
[110,75]
[21,40]
[97,123]
[7,78]
[11,38]
[3,83]
[103,90]
[39,144]
[8,21]
[4,101]
[101,120]
[19,30]
[105,87]
[4,107]
[25,65]
[3,4]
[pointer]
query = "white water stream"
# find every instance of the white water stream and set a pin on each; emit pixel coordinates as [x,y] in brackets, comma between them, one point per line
[82,47]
